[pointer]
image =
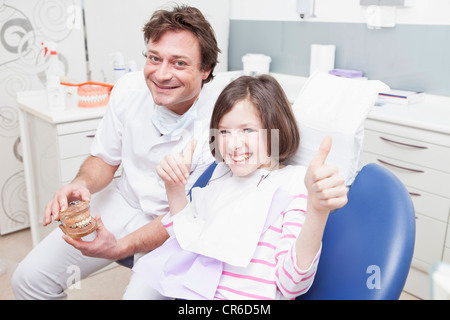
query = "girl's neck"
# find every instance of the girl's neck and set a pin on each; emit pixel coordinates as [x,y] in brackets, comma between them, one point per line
[272,165]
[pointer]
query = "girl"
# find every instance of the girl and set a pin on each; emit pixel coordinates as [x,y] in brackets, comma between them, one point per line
[255,231]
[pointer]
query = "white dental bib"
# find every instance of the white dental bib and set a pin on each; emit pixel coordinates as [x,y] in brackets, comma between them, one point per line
[225,220]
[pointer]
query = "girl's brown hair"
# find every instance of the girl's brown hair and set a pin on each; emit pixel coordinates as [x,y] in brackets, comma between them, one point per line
[267,96]
[189,19]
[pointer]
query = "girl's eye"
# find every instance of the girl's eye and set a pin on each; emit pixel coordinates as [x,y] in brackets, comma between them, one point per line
[248,130]
[223,131]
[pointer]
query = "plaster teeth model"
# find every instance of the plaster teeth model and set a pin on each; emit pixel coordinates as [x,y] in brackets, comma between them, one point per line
[92,94]
[76,221]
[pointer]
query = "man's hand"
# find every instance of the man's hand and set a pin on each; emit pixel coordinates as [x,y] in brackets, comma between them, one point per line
[105,245]
[61,199]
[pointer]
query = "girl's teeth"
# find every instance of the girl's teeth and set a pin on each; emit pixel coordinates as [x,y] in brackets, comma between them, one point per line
[240,158]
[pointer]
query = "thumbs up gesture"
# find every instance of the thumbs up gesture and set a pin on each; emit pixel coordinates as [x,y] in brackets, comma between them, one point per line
[326,187]
[174,169]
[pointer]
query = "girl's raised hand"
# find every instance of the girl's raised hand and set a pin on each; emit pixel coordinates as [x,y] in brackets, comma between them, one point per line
[174,169]
[326,187]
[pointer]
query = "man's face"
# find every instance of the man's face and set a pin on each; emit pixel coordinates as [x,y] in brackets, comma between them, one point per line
[172,70]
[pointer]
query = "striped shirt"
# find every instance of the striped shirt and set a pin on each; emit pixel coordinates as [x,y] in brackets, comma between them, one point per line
[273,271]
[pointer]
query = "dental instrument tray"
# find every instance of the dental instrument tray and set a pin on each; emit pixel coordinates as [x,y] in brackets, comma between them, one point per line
[92,94]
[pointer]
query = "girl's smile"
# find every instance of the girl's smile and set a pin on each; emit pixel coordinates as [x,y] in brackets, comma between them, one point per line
[240,157]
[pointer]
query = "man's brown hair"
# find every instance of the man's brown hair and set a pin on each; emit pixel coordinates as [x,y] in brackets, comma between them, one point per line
[189,19]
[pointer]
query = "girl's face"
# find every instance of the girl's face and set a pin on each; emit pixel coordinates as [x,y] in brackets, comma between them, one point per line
[242,140]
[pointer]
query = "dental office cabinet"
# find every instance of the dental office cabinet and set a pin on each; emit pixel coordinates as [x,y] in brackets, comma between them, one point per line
[55,144]
[413,141]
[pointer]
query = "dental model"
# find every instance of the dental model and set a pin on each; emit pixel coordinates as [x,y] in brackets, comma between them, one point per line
[92,94]
[76,220]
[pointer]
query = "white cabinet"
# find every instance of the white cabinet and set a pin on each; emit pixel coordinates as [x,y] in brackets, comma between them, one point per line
[55,144]
[414,143]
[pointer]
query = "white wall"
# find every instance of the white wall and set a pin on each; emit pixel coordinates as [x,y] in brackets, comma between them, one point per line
[435,12]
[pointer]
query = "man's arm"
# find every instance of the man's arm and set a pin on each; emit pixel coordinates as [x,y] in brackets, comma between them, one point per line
[145,239]
[105,245]
[95,174]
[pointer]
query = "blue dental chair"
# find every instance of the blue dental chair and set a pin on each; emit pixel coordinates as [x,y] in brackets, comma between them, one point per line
[368,244]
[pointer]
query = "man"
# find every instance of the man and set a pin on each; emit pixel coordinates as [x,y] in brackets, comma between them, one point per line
[149,115]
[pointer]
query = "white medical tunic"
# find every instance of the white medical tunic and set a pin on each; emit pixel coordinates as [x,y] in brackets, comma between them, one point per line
[127,136]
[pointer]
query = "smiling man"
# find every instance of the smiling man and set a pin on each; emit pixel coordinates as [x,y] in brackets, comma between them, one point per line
[173,70]
[149,115]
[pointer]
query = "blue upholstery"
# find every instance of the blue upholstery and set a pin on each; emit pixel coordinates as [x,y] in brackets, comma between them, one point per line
[368,244]
[204,178]
[126,262]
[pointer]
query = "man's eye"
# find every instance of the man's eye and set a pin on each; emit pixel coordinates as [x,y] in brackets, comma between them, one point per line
[180,64]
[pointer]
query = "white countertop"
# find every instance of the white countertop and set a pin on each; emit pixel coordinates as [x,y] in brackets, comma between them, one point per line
[432,114]
[35,102]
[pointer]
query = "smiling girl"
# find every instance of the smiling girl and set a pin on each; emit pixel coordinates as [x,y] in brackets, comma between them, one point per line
[255,231]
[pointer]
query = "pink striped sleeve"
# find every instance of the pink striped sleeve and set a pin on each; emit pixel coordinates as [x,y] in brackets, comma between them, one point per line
[291,280]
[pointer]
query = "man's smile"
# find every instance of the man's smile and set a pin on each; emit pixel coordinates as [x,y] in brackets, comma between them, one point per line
[164,87]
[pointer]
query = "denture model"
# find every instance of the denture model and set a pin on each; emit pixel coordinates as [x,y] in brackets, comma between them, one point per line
[76,220]
[92,94]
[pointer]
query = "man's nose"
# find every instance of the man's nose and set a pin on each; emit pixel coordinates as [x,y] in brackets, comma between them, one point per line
[164,72]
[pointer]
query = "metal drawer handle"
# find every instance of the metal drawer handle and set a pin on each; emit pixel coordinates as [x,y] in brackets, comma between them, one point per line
[90,136]
[403,144]
[399,167]
[16,150]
